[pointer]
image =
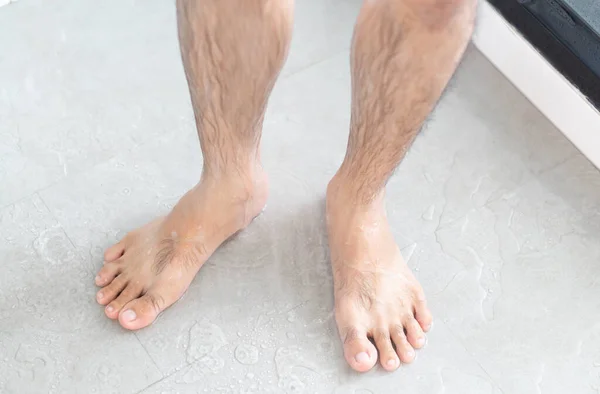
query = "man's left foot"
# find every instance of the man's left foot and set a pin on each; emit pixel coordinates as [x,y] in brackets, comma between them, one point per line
[376,295]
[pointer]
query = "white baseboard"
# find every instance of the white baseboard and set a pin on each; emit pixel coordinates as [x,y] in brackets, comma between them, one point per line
[536,78]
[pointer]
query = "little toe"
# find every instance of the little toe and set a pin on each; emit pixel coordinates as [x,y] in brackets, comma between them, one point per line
[405,351]
[114,252]
[107,273]
[387,355]
[142,311]
[360,353]
[423,315]
[110,292]
[414,333]
[129,293]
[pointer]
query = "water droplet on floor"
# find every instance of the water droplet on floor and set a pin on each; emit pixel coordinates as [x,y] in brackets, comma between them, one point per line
[246,354]
[204,338]
[291,384]
[211,363]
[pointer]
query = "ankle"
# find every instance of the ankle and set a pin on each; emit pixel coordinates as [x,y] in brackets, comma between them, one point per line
[232,162]
[244,189]
[346,196]
[248,175]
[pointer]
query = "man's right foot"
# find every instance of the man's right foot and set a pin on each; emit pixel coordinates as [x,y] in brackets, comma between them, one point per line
[152,267]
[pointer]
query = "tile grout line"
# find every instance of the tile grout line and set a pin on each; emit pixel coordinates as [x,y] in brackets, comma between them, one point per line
[58,181]
[90,267]
[458,340]
[78,173]
[312,64]
[53,217]
[150,385]
[153,362]
[176,370]
[559,164]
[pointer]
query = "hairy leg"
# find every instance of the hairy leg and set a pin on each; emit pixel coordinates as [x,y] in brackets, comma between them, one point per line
[232,52]
[403,55]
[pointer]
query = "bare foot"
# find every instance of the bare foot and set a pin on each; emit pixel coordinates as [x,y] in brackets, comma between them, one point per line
[152,267]
[376,295]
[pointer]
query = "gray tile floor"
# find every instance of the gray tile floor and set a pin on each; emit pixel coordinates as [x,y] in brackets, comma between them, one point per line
[496,212]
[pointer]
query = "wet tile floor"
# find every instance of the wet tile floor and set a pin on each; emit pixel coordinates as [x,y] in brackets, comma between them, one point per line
[496,212]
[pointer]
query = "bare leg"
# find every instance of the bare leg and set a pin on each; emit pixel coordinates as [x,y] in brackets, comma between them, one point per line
[232,52]
[403,54]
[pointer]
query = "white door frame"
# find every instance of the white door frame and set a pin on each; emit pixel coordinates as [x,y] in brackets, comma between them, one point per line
[538,80]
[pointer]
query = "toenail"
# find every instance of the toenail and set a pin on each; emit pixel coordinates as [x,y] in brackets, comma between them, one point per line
[410,353]
[100,296]
[129,315]
[362,357]
[421,341]
[109,309]
[391,363]
[97,278]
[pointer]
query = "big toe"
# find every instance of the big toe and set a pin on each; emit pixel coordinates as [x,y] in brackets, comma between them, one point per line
[142,311]
[359,352]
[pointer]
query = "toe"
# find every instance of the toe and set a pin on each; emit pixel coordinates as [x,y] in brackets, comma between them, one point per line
[114,252]
[414,333]
[110,292]
[107,273]
[131,292]
[387,355]
[360,353]
[423,315]
[142,311]
[404,350]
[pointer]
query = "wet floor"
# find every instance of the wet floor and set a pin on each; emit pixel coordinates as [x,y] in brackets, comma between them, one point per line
[496,212]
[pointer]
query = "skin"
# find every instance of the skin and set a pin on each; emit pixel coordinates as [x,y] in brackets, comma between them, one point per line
[403,55]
